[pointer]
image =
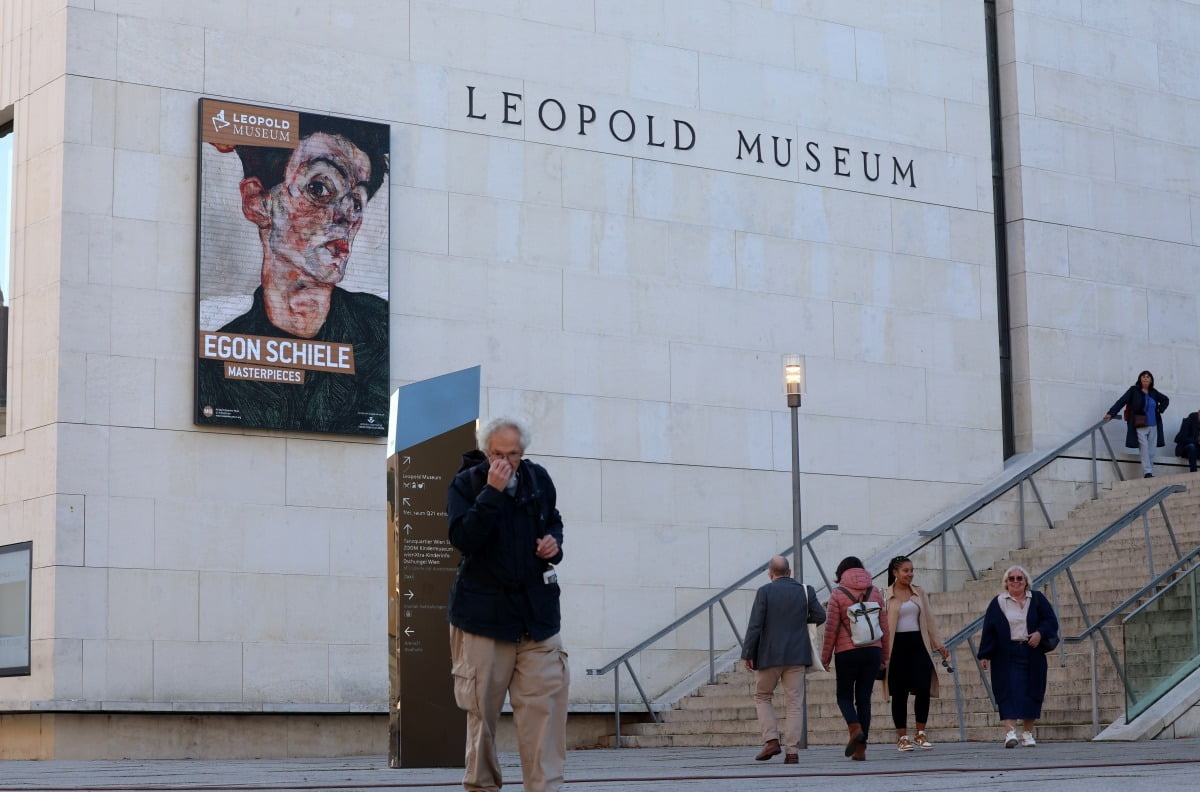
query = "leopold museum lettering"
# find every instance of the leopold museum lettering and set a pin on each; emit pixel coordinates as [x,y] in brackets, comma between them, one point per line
[780,155]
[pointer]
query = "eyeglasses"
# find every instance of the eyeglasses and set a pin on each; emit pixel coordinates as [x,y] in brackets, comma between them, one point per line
[1017,578]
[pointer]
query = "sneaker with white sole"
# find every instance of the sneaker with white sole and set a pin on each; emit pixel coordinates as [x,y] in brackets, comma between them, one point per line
[921,741]
[1010,740]
[904,744]
[1027,740]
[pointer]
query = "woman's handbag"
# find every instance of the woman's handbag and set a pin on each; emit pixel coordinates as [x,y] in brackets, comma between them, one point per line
[1139,421]
[1048,644]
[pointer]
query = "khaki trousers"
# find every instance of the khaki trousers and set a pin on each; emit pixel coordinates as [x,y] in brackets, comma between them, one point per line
[535,676]
[766,680]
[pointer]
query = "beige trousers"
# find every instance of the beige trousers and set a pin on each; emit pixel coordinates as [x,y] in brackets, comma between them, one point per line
[535,676]
[766,680]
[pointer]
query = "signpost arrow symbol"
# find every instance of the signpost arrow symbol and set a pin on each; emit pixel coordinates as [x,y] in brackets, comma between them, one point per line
[408,594]
[407,460]
[404,502]
[409,631]
[407,529]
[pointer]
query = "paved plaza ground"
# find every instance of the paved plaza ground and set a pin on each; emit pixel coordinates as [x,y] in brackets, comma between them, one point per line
[980,767]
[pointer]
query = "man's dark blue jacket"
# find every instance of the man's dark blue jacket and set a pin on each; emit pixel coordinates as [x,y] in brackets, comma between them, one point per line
[499,592]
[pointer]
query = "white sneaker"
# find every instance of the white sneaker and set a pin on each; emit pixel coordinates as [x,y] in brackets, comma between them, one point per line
[1027,740]
[1010,739]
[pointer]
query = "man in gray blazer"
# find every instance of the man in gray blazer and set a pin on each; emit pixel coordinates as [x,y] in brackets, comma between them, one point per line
[777,650]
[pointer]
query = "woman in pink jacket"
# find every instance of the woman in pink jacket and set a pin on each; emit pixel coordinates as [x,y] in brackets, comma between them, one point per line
[857,667]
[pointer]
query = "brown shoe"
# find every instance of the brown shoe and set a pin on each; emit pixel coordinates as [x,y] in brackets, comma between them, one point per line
[860,752]
[852,743]
[770,748]
[791,759]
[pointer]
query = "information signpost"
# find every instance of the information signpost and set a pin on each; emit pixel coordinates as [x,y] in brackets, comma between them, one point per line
[432,424]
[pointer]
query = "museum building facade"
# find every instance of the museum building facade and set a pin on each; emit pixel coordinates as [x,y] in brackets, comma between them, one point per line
[976,219]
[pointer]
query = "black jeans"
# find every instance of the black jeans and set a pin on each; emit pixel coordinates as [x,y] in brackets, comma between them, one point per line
[1191,456]
[856,670]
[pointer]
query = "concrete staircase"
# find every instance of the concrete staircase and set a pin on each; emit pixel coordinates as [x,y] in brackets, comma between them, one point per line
[723,714]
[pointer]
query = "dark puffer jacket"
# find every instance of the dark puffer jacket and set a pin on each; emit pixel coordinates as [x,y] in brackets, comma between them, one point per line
[500,592]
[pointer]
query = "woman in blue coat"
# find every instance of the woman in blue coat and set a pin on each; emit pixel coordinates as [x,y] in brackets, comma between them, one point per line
[1146,406]
[1019,627]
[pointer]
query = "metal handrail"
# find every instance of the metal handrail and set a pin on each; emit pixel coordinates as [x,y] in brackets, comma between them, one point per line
[1103,621]
[1188,561]
[707,605]
[703,606]
[1033,466]
[1063,565]
[1016,478]
[1176,567]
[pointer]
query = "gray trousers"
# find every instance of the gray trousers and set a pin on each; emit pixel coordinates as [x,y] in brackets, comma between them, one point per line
[1147,437]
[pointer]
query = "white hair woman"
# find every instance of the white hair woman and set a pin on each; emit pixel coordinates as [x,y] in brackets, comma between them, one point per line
[1019,628]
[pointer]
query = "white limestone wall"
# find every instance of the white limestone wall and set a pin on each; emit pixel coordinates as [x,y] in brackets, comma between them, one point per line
[631,303]
[33,44]
[1102,106]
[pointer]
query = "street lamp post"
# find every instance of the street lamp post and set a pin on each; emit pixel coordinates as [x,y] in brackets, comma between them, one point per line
[793,379]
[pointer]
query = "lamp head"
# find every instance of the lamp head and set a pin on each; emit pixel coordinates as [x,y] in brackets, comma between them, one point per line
[793,378]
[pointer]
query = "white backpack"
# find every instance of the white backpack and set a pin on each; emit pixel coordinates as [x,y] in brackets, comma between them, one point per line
[864,618]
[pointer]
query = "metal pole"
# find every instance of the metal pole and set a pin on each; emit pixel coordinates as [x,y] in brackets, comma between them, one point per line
[1095,690]
[945,563]
[712,672]
[798,549]
[1149,546]
[1021,508]
[617,701]
[1095,470]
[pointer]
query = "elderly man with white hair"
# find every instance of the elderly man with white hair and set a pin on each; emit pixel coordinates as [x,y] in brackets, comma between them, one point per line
[504,610]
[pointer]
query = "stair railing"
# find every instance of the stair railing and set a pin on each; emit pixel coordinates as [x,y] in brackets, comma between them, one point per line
[705,607]
[1172,576]
[1018,478]
[1050,575]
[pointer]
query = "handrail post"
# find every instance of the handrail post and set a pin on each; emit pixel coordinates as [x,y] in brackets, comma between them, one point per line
[1062,647]
[712,672]
[617,701]
[821,569]
[1095,689]
[1021,508]
[1112,456]
[1041,503]
[958,702]
[1149,547]
[1162,507]
[1095,468]
[945,564]
[962,548]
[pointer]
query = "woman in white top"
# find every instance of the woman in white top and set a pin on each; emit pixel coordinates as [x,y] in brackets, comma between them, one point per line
[1019,627]
[914,640]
